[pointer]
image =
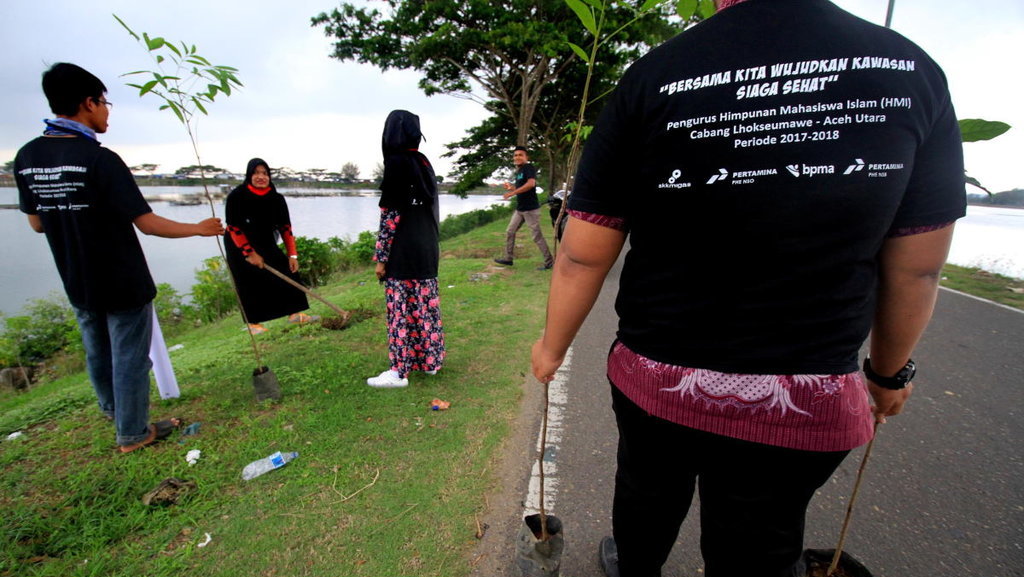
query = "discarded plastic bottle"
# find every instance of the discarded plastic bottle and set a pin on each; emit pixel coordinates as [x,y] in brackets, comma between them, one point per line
[275,461]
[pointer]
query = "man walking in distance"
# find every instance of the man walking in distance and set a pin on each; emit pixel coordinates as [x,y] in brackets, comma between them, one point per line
[84,198]
[527,209]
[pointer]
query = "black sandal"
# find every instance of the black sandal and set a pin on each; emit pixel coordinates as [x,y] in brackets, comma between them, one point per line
[165,427]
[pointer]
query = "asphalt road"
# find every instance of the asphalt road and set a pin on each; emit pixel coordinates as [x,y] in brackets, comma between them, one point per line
[943,492]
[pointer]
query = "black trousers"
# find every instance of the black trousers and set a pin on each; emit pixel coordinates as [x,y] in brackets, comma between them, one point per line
[753,497]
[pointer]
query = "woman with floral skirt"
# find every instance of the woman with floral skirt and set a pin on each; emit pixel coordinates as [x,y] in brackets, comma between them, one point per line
[407,254]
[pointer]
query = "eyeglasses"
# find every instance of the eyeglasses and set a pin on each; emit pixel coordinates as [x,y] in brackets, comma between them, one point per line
[108,103]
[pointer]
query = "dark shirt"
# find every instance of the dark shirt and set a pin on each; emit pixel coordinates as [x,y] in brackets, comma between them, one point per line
[87,201]
[526,200]
[764,178]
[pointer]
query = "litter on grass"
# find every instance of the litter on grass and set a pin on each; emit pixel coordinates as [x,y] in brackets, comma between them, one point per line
[189,431]
[439,405]
[14,435]
[193,457]
[206,540]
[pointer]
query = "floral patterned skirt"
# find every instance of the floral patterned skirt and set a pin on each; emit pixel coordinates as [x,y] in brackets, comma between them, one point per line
[415,332]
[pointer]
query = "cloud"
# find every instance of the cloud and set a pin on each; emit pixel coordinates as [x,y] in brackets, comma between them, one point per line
[298,108]
[302,109]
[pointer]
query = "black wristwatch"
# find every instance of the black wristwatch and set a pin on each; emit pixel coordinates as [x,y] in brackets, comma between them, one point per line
[896,382]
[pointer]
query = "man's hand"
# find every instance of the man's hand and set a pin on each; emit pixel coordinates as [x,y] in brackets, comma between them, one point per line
[511,190]
[380,270]
[255,259]
[888,402]
[544,363]
[210,227]
[293,264]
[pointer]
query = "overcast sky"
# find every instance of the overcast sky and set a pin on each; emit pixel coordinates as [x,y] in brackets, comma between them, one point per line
[301,109]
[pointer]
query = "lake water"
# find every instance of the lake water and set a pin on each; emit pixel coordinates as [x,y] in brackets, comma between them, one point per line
[991,238]
[29,271]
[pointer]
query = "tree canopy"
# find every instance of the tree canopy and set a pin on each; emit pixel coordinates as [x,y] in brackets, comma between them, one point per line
[195,170]
[350,171]
[514,52]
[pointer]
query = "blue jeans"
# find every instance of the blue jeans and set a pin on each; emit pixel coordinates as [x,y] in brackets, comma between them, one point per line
[117,358]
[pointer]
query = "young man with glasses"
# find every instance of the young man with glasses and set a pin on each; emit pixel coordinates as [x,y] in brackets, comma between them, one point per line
[84,198]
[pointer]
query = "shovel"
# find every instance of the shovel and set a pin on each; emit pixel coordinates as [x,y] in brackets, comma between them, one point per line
[341,313]
[540,541]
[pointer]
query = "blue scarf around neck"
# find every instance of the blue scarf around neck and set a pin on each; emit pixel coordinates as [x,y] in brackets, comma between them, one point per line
[68,127]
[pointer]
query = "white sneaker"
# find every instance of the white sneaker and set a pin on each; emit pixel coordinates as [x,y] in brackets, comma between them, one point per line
[387,380]
[431,372]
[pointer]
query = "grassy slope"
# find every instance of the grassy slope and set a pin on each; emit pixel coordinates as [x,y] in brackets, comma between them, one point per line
[994,287]
[383,485]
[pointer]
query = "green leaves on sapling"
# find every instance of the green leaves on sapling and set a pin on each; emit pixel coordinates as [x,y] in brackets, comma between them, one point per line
[189,69]
[975,129]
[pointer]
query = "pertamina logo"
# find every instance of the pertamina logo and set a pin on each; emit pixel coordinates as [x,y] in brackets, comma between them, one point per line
[722,175]
[858,165]
[809,171]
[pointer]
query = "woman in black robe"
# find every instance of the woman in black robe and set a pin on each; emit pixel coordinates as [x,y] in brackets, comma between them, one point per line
[407,254]
[256,216]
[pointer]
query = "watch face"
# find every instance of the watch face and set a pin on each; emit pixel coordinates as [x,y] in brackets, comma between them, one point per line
[906,374]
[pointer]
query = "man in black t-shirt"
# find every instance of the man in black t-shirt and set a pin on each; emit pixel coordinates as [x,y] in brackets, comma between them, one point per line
[794,174]
[527,209]
[84,198]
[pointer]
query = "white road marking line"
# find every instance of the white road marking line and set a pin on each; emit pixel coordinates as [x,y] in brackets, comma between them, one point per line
[557,398]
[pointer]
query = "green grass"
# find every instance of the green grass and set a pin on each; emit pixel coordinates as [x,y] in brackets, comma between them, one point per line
[994,287]
[382,486]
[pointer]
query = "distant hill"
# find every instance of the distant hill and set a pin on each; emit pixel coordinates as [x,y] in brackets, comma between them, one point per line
[1013,197]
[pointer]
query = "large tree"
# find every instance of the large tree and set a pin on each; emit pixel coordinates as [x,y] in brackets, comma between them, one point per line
[513,52]
[350,172]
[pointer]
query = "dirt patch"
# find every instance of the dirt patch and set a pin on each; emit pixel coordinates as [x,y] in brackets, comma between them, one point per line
[336,323]
[469,253]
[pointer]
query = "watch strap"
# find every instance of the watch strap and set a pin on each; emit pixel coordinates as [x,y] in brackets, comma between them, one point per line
[896,382]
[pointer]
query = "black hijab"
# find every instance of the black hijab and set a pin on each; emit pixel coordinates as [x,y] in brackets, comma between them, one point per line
[250,169]
[408,175]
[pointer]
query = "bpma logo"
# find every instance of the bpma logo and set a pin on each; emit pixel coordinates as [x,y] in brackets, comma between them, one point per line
[673,181]
[809,171]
